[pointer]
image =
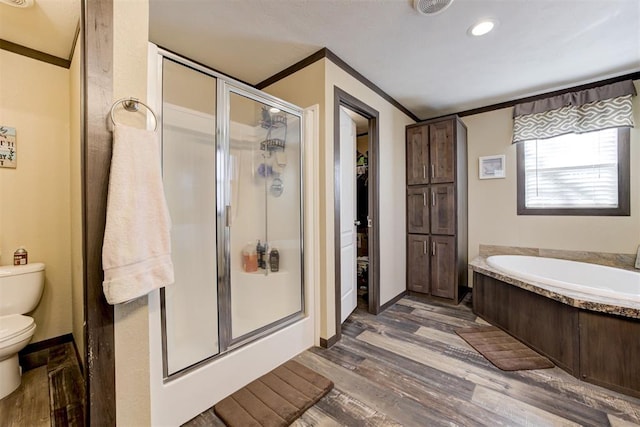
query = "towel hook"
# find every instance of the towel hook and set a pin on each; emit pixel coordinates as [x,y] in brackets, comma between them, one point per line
[132,105]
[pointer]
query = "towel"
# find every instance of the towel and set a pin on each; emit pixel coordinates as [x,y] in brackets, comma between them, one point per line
[136,251]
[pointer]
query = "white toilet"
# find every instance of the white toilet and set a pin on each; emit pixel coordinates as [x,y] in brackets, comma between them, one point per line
[20,290]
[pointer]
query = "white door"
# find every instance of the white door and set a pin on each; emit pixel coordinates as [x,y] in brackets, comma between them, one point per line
[348,282]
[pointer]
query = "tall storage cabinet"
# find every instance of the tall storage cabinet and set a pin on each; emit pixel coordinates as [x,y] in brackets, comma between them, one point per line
[437,208]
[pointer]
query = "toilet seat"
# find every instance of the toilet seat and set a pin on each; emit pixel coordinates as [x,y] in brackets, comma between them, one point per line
[15,325]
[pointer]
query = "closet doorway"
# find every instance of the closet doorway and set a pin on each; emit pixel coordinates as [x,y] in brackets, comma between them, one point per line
[356,207]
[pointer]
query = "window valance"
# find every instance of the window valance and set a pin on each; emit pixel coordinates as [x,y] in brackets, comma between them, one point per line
[588,110]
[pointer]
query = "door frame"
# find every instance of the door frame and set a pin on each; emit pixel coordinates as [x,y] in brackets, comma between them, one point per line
[342,98]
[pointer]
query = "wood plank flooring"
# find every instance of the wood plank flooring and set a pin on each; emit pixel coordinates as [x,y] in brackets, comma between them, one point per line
[51,392]
[407,367]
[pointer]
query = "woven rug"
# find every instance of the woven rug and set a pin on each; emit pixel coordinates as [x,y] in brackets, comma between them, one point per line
[503,350]
[275,399]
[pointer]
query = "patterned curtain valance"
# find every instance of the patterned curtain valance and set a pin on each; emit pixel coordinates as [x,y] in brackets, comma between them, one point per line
[575,112]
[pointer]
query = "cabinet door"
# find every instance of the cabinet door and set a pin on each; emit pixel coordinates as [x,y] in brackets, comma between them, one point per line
[443,266]
[442,151]
[418,209]
[418,263]
[417,155]
[443,209]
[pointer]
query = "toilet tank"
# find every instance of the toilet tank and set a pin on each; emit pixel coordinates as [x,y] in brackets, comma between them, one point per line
[20,288]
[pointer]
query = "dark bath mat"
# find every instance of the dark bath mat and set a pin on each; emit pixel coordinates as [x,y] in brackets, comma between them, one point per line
[275,399]
[503,350]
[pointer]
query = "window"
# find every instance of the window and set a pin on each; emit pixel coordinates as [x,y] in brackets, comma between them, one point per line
[575,174]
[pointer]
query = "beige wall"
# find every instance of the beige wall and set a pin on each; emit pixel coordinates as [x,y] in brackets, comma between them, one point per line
[492,203]
[305,88]
[34,197]
[131,328]
[392,178]
[75,176]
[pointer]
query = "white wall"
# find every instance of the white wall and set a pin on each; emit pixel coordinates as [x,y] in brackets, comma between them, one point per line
[35,197]
[492,203]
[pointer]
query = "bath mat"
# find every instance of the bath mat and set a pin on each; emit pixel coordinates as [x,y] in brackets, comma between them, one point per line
[275,399]
[503,350]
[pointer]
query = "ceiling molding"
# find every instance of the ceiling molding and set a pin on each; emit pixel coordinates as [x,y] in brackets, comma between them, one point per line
[328,54]
[34,54]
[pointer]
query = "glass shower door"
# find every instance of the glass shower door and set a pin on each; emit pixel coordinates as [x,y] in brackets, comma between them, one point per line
[263,203]
[189,174]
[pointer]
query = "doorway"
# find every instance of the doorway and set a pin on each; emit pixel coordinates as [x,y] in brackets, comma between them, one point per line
[356,208]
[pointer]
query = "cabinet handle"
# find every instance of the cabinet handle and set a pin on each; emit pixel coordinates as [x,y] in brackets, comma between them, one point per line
[433,248]
[424,199]
[424,247]
[433,171]
[424,171]
[433,198]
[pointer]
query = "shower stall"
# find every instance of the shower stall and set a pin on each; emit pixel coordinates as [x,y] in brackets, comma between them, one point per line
[232,171]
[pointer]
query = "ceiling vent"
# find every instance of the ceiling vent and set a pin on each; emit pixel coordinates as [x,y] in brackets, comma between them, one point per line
[431,7]
[18,3]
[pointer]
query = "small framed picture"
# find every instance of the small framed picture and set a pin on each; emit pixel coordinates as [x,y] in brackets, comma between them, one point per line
[491,167]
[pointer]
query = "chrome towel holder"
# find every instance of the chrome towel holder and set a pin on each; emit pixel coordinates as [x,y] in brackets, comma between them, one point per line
[132,105]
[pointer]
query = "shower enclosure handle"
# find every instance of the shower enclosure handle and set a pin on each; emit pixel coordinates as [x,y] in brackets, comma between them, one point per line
[227,215]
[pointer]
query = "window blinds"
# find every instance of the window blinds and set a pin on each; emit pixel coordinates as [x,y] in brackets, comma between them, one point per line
[572,171]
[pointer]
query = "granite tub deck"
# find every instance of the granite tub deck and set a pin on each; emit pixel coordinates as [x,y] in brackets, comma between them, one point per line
[615,306]
[593,338]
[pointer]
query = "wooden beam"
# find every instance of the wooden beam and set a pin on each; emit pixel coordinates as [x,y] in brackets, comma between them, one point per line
[97,78]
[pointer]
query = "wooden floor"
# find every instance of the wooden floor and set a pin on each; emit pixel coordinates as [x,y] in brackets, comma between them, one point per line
[408,367]
[51,392]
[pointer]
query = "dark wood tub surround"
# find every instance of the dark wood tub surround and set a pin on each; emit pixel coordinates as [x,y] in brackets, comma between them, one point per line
[597,347]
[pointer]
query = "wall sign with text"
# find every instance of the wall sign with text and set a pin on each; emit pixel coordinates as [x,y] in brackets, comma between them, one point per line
[8,147]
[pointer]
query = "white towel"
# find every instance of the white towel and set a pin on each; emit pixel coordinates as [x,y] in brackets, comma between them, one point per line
[136,252]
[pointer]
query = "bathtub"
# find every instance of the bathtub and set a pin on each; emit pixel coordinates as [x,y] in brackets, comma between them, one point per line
[592,279]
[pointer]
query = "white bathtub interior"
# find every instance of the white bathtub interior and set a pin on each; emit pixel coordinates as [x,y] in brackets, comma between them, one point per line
[576,276]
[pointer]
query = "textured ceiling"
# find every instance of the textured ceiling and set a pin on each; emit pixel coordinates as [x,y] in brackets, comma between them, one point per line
[427,63]
[48,26]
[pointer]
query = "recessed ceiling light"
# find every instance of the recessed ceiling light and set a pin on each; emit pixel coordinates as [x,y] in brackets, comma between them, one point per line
[274,110]
[483,27]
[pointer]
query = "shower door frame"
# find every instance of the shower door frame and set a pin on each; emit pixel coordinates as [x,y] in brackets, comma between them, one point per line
[224,86]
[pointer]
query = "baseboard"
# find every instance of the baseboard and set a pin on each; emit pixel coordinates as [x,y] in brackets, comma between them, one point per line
[328,343]
[41,345]
[393,300]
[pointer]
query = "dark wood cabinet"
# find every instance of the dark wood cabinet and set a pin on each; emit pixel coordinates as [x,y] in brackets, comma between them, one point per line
[442,151]
[443,205]
[418,202]
[418,257]
[443,266]
[437,208]
[417,156]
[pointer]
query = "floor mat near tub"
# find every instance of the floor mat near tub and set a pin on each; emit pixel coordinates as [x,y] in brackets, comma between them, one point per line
[275,399]
[503,350]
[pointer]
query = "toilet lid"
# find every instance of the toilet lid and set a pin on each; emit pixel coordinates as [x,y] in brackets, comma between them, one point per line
[13,325]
